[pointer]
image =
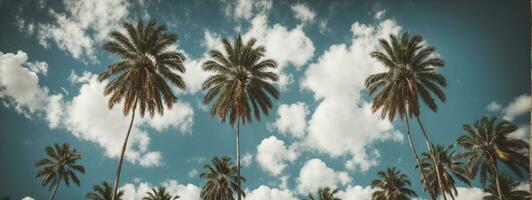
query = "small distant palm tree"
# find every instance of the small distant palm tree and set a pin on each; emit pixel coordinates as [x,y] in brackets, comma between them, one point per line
[449,167]
[486,144]
[60,166]
[392,185]
[508,187]
[241,86]
[159,193]
[143,75]
[103,191]
[411,77]
[325,193]
[221,179]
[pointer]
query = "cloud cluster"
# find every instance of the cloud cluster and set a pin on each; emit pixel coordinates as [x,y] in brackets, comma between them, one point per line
[315,174]
[272,155]
[303,13]
[520,105]
[138,191]
[291,119]
[244,9]
[267,193]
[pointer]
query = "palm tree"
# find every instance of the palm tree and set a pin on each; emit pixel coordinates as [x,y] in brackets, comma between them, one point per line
[241,85]
[159,193]
[60,166]
[486,144]
[449,167]
[325,193]
[143,74]
[222,180]
[411,75]
[508,187]
[103,191]
[392,185]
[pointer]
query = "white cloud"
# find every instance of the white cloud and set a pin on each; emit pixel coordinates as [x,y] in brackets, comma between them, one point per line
[523,186]
[303,13]
[493,106]
[272,155]
[267,193]
[291,119]
[322,27]
[28,198]
[343,123]
[247,159]
[315,174]
[82,25]
[469,193]
[19,87]
[138,191]
[520,105]
[246,8]
[283,45]
[192,173]
[380,14]
[521,133]
[356,192]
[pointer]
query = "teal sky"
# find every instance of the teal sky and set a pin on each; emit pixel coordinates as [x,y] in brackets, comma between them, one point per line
[320,132]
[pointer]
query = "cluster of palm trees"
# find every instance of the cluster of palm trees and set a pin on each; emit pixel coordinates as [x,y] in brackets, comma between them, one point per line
[241,88]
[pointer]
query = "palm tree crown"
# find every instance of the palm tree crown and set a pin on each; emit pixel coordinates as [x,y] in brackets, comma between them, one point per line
[509,188]
[411,75]
[146,66]
[241,83]
[326,193]
[60,166]
[103,191]
[159,193]
[221,180]
[449,167]
[392,185]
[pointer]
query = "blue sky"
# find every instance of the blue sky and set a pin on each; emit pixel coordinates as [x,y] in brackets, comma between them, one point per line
[321,131]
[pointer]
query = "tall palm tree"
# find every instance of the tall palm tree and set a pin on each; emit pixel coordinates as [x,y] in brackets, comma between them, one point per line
[325,193]
[508,187]
[449,167]
[222,180]
[103,191]
[411,75]
[61,165]
[392,185]
[159,193]
[142,75]
[241,85]
[486,144]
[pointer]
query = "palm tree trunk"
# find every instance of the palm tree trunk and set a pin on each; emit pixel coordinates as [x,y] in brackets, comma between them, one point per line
[119,168]
[238,157]
[413,148]
[431,152]
[55,189]
[496,174]
[531,92]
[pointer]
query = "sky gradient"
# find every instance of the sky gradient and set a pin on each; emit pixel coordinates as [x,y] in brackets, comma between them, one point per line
[320,133]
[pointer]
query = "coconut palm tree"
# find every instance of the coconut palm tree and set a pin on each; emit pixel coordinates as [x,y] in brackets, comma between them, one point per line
[411,75]
[143,75]
[392,185]
[325,193]
[159,193]
[241,85]
[222,180]
[61,165]
[450,168]
[486,144]
[103,191]
[508,187]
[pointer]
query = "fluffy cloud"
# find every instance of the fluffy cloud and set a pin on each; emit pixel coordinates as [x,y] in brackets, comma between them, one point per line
[247,159]
[521,133]
[493,106]
[469,193]
[138,191]
[88,118]
[356,192]
[272,155]
[82,24]
[19,87]
[27,198]
[315,174]
[291,119]
[267,193]
[380,14]
[283,45]
[520,105]
[245,8]
[343,123]
[303,13]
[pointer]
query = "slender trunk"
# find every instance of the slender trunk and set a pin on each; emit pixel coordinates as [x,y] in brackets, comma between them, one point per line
[238,157]
[413,148]
[119,168]
[431,152]
[55,189]
[496,174]
[530,162]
